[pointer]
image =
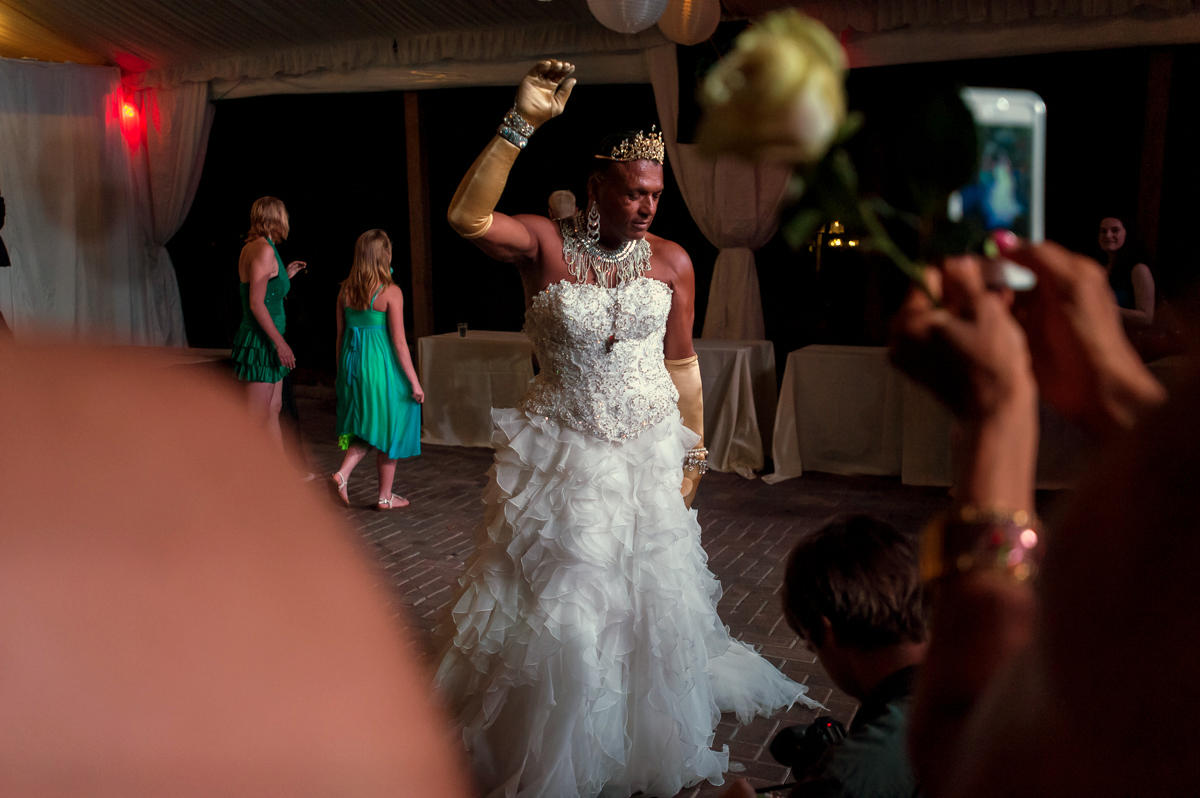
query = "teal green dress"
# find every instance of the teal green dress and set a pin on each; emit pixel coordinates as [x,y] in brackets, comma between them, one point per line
[374,399]
[254,356]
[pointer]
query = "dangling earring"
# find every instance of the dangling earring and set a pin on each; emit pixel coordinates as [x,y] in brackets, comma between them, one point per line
[593,223]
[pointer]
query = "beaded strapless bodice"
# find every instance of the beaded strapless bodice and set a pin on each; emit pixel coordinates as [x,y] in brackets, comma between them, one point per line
[601,356]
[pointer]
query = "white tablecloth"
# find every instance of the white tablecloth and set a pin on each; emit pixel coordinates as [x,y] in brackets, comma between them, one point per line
[464,378]
[739,395]
[846,410]
[839,411]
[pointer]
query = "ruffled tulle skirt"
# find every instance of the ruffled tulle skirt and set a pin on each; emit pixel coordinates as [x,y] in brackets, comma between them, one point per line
[585,656]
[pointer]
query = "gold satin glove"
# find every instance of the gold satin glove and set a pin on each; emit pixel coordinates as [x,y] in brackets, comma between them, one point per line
[544,91]
[685,374]
[470,212]
[542,95]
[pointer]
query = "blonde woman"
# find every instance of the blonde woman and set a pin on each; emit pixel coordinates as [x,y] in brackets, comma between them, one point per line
[261,357]
[377,387]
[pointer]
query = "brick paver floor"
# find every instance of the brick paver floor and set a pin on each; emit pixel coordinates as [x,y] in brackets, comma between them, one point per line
[748,528]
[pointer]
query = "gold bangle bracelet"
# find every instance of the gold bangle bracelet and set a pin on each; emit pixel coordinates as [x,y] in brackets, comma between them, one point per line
[970,538]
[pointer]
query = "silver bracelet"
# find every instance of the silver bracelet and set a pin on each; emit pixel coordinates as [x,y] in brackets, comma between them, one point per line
[696,460]
[515,129]
[512,136]
[517,122]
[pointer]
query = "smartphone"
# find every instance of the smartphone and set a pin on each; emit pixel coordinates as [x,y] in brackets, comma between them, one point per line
[1008,190]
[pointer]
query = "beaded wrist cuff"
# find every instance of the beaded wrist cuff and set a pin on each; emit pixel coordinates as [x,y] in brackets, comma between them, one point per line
[971,538]
[696,460]
[514,120]
[515,129]
[512,136]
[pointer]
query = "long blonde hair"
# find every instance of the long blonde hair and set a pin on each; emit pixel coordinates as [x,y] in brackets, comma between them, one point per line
[269,219]
[371,269]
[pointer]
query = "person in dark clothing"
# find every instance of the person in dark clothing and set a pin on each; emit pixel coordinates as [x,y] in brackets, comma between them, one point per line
[853,592]
[4,261]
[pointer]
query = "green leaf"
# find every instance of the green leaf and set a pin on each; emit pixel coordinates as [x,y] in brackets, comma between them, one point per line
[800,229]
[843,170]
[850,125]
[796,187]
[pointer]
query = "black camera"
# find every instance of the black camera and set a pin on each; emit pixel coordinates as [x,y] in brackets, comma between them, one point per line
[799,747]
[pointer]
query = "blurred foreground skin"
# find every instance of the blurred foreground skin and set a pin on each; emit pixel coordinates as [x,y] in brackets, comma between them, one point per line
[178,615]
[1085,683]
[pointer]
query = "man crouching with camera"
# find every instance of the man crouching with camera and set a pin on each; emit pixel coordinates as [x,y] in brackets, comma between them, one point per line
[853,593]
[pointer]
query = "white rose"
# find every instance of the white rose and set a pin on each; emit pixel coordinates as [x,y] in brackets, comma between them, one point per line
[779,95]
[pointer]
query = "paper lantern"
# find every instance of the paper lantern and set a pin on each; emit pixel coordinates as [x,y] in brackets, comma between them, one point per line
[690,21]
[627,16]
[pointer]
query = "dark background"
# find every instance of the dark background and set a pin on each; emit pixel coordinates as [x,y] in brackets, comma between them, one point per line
[338,162]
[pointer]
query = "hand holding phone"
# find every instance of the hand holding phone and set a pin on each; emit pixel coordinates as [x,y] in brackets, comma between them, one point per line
[1008,190]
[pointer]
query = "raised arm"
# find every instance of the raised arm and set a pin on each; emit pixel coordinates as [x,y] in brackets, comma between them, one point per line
[262,268]
[542,95]
[1084,363]
[973,354]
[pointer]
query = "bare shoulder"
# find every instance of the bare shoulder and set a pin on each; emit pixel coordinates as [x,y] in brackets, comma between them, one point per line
[542,227]
[393,294]
[549,242]
[256,247]
[257,260]
[672,257]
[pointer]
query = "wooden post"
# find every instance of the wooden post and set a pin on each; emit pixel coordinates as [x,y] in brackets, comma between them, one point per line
[421,296]
[1154,145]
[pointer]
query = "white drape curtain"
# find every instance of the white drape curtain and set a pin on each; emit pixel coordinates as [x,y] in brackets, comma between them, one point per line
[734,203]
[85,217]
[178,124]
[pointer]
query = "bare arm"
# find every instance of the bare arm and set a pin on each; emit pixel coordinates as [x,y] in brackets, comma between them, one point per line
[677,343]
[682,364]
[1083,361]
[262,268]
[395,317]
[1143,297]
[973,354]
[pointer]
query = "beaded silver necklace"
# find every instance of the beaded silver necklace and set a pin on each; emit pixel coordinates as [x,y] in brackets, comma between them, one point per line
[583,253]
[612,267]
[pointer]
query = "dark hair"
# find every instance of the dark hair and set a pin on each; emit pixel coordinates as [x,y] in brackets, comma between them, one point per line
[861,574]
[1132,252]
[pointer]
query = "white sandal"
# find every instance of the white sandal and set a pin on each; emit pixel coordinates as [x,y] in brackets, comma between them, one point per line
[341,487]
[392,502]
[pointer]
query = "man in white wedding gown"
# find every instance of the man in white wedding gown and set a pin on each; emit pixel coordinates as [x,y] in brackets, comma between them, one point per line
[585,655]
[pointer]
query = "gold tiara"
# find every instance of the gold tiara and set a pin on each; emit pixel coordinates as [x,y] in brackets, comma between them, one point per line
[641,147]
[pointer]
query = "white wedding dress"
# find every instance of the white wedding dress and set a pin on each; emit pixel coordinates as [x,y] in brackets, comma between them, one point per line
[585,656]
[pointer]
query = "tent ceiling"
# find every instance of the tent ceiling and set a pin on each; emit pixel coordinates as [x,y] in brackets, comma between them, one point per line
[267,46]
[144,35]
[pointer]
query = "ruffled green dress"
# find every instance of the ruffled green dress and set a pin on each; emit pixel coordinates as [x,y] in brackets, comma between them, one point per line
[374,399]
[254,356]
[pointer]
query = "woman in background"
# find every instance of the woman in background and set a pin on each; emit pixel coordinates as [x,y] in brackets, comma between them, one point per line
[377,386]
[1129,277]
[261,356]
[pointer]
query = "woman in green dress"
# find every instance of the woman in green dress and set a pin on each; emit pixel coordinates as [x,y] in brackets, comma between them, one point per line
[261,357]
[377,386]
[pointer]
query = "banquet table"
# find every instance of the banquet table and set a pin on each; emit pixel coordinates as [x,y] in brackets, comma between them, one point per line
[465,377]
[739,402]
[846,410]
